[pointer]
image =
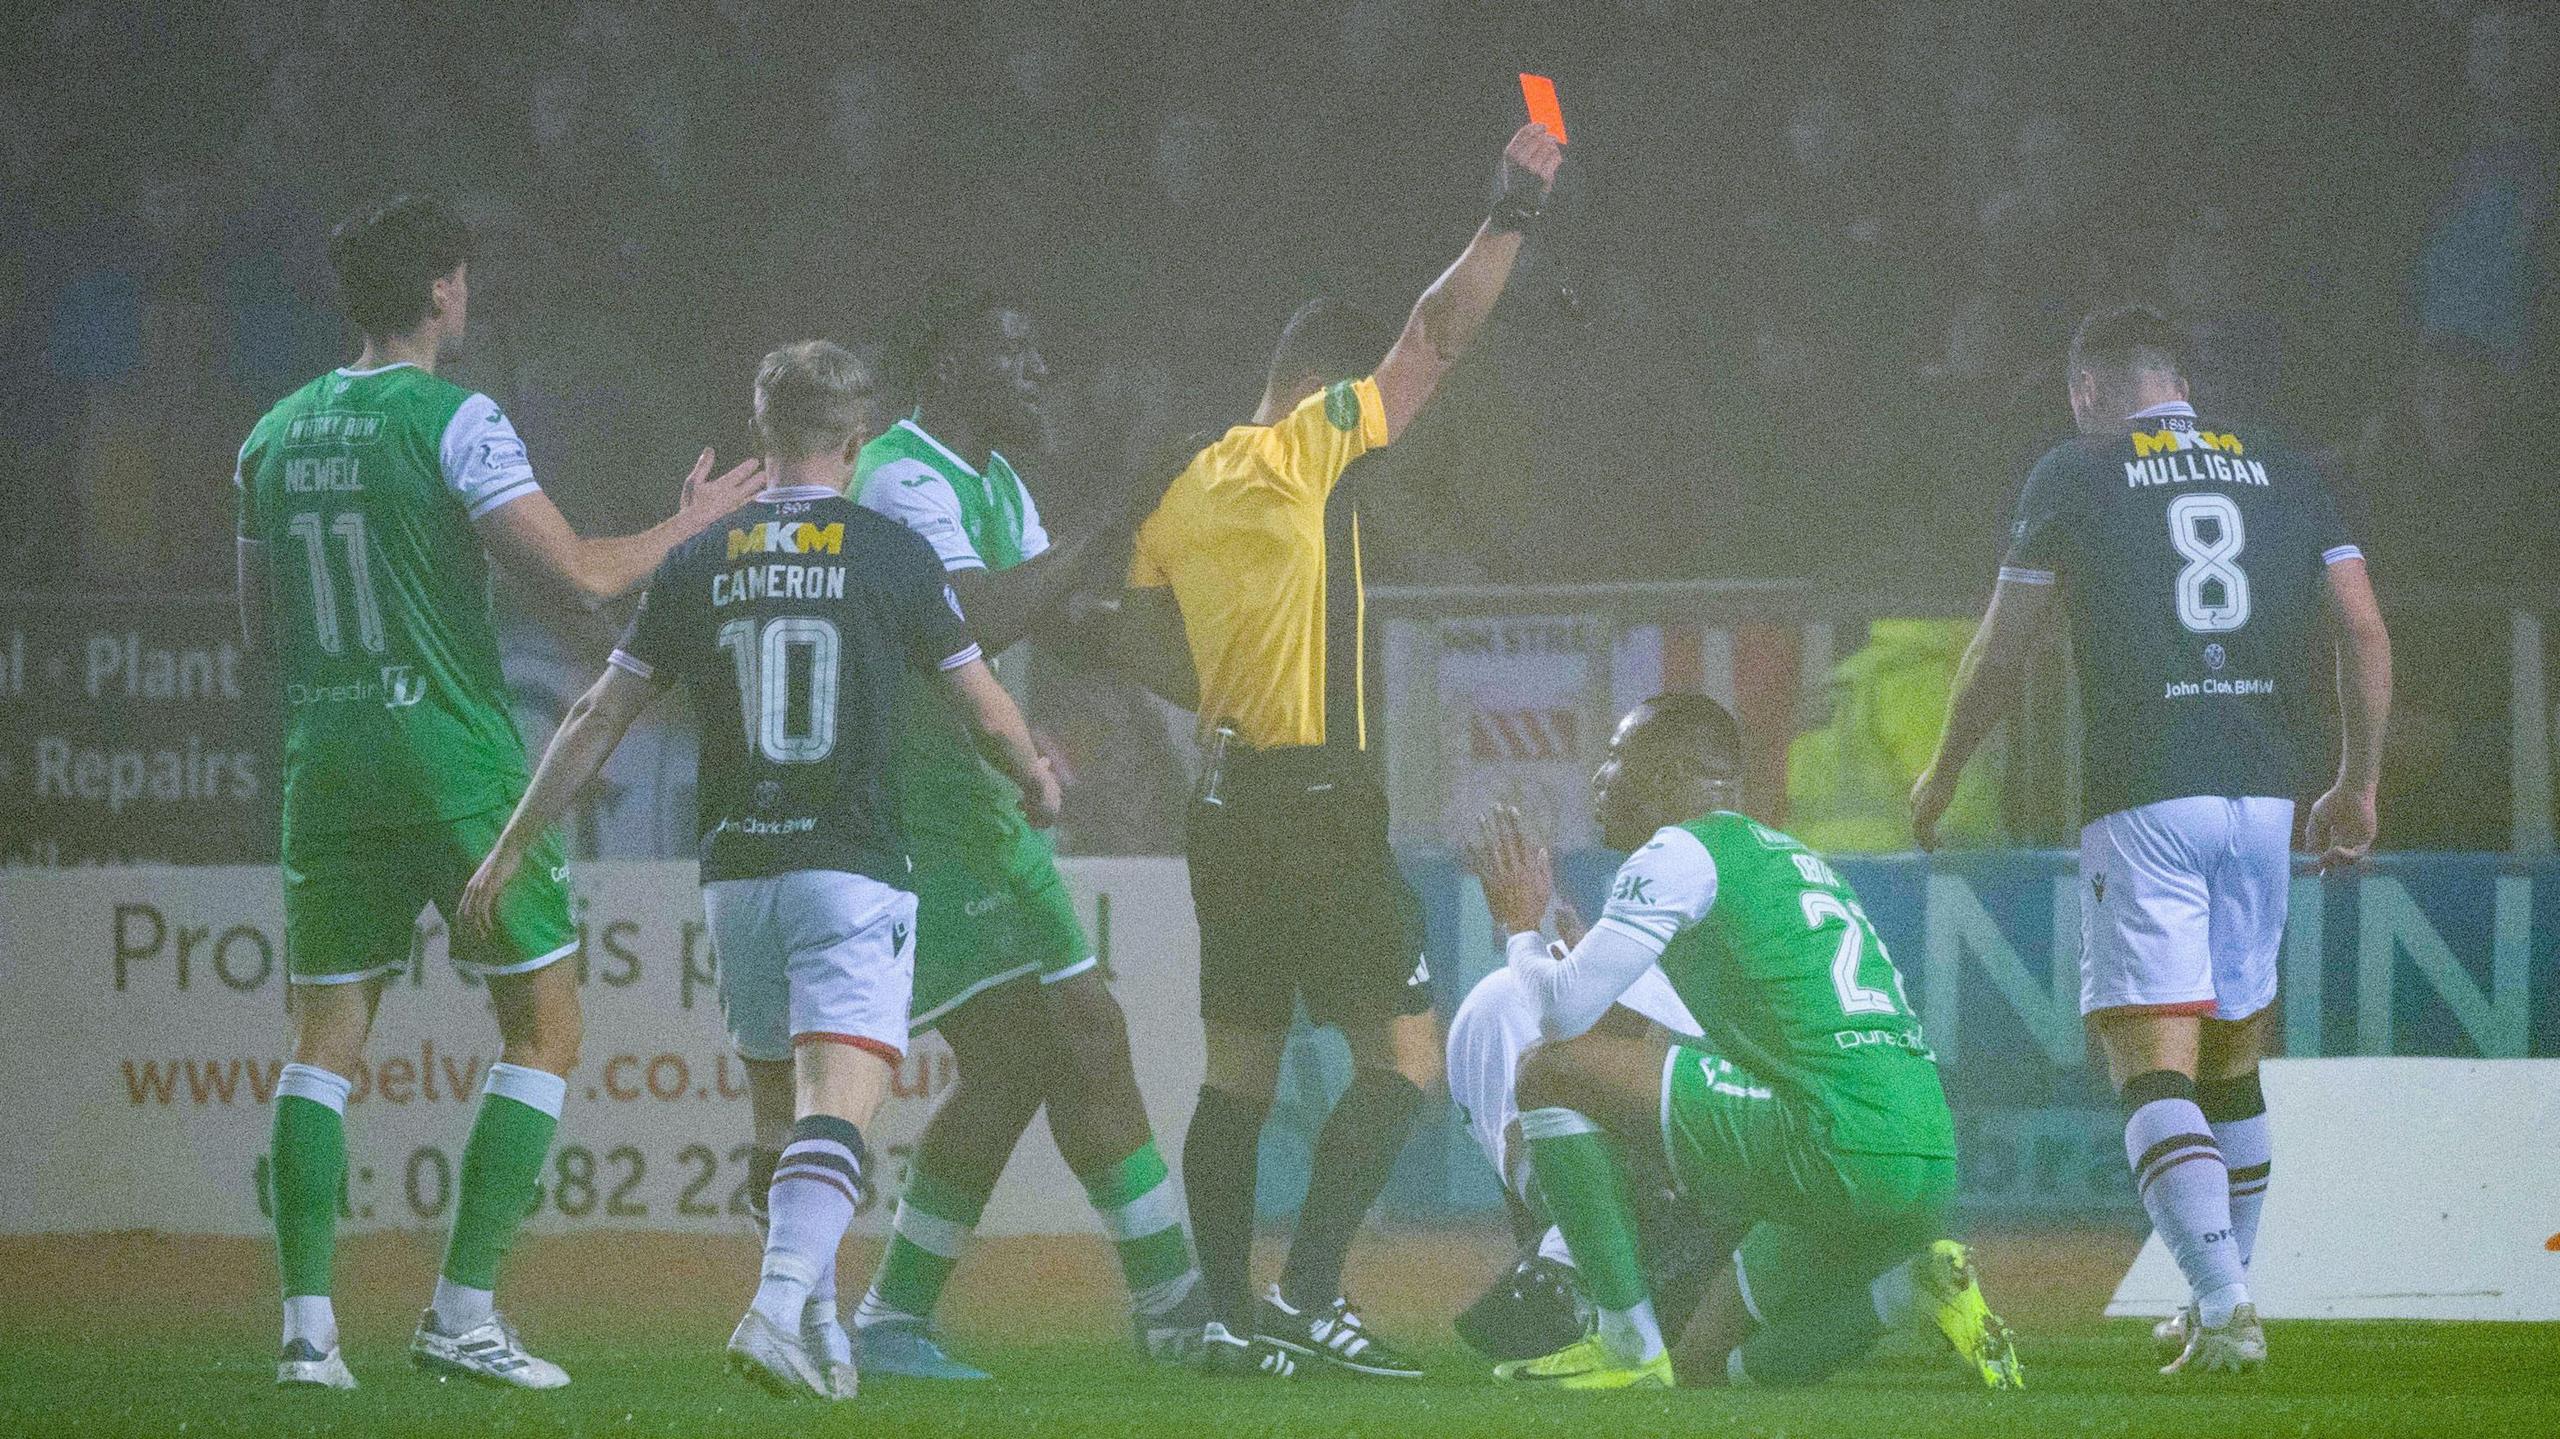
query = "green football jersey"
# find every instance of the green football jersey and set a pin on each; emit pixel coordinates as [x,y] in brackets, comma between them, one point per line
[974,521]
[1773,955]
[361,487]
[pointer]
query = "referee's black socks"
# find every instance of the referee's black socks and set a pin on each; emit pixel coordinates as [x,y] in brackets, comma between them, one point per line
[1218,1169]
[1353,1157]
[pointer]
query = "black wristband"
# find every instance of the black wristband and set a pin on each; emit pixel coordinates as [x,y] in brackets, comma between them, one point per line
[1515,213]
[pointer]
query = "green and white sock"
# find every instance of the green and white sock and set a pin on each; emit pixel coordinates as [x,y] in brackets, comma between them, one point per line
[935,1219]
[1579,1177]
[1135,1201]
[306,1169]
[519,1111]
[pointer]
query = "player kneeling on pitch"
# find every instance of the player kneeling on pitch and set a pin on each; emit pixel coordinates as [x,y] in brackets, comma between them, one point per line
[1810,1117]
[796,623]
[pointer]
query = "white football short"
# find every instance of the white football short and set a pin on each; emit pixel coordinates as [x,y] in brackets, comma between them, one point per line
[813,955]
[2182,905]
[1495,1023]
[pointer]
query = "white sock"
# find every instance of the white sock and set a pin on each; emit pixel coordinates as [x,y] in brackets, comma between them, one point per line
[815,1188]
[2248,1147]
[1897,1296]
[459,1307]
[2186,1189]
[1554,1249]
[1632,1334]
[312,1319]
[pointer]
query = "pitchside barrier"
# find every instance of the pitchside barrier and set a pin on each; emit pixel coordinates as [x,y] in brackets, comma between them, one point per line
[141,1023]
[2404,1189]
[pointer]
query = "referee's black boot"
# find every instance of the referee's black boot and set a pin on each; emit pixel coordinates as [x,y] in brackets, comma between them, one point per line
[1334,1334]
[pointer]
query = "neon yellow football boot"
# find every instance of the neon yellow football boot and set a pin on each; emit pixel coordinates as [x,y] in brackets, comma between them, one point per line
[1587,1364]
[1979,1337]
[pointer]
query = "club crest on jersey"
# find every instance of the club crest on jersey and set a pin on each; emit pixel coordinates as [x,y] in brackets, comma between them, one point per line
[787,537]
[402,687]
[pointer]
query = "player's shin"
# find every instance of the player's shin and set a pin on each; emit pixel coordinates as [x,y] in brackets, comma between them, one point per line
[1135,1202]
[1353,1157]
[2237,1110]
[1580,1180]
[1219,1157]
[307,1170]
[816,1187]
[2186,1188]
[501,1164]
[934,1221]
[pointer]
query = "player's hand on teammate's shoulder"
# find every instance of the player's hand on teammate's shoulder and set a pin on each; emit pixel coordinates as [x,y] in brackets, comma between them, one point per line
[1530,161]
[706,499]
[1518,877]
[2341,828]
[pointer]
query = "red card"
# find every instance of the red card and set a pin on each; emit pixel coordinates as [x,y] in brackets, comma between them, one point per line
[1540,92]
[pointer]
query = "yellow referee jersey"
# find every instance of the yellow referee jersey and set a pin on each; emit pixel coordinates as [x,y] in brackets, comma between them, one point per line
[1264,559]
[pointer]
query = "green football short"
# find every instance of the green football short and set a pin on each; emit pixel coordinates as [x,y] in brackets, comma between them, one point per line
[989,916]
[351,900]
[1821,1219]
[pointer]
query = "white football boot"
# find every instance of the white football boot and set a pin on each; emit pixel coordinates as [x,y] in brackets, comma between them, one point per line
[779,1360]
[2239,1347]
[303,1366]
[488,1351]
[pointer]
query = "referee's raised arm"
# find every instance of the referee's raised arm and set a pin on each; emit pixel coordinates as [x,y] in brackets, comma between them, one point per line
[1252,564]
[1445,320]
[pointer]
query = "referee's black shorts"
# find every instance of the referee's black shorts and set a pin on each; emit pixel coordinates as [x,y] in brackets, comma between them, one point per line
[1298,894]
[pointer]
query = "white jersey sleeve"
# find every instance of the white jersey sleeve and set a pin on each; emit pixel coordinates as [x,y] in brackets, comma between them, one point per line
[1035,536]
[1653,997]
[918,496]
[1661,890]
[483,458]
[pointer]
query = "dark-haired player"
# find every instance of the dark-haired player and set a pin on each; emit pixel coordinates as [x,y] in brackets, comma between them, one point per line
[1808,1119]
[794,631]
[1250,569]
[370,504]
[2196,563]
[1003,966]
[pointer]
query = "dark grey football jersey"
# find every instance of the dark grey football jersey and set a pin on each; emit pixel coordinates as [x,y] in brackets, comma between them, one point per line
[2192,560]
[792,624]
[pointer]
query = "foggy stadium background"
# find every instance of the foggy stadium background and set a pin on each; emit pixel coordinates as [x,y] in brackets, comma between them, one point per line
[1797,319]
[1820,270]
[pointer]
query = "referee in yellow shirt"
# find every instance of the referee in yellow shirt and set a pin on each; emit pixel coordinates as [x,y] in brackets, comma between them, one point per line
[1252,564]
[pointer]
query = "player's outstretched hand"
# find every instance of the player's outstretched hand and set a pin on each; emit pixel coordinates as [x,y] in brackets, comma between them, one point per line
[1042,802]
[2341,829]
[1530,161]
[1930,797]
[1519,878]
[705,500]
[479,907]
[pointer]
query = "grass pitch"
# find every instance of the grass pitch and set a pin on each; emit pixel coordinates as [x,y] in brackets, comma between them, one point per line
[137,1336]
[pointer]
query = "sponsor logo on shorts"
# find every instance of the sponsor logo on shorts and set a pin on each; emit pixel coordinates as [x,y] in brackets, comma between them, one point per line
[2098,886]
[898,939]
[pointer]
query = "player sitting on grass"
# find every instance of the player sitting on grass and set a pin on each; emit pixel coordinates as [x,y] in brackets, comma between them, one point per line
[1536,1305]
[1003,965]
[1811,1113]
[371,502]
[796,626]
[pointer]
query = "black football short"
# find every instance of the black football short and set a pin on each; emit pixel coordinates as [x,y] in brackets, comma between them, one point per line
[1299,895]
